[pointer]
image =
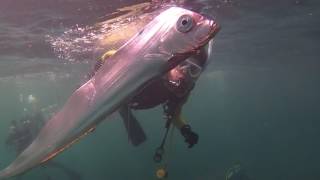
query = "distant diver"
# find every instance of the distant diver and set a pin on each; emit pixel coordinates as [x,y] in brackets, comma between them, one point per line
[23,131]
[237,172]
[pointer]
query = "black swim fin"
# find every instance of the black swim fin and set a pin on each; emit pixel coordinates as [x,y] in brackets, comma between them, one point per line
[135,132]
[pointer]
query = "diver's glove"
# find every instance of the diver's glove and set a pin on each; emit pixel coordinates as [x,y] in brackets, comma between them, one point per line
[190,137]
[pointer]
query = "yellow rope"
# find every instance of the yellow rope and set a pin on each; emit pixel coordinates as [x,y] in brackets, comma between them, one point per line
[162,169]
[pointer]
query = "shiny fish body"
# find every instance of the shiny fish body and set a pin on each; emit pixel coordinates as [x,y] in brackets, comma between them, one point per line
[150,53]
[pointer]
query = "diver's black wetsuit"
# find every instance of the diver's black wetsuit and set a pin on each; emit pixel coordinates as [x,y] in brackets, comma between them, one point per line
[162,91]
[155,94]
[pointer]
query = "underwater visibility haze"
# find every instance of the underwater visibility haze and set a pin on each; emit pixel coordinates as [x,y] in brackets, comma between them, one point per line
[255,106]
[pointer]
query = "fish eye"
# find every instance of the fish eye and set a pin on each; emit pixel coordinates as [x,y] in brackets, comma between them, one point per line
[185,23]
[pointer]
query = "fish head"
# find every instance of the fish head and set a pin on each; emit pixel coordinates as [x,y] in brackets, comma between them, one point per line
[185,32]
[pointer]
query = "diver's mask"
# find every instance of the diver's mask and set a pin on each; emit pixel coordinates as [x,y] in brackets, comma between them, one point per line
[182,78]
[190,69]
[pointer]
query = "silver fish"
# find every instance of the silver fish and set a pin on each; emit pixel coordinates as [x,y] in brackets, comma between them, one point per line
[174,35]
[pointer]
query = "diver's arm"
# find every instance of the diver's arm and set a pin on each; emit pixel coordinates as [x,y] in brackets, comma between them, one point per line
[177,119]
[191,137]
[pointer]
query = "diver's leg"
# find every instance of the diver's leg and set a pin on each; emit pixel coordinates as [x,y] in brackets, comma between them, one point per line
[135,132]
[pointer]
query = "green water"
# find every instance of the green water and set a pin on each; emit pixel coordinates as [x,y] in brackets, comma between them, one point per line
[257,103]
[265,118]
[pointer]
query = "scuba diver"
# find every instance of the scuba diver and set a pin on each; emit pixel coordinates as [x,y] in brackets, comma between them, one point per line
[23,131]
[171,91]
[236,172]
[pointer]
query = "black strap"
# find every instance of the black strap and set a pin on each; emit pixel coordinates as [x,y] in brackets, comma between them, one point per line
[168,109]
[160,150]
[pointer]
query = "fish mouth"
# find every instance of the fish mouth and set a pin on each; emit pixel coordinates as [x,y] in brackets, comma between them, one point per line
[214,29]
